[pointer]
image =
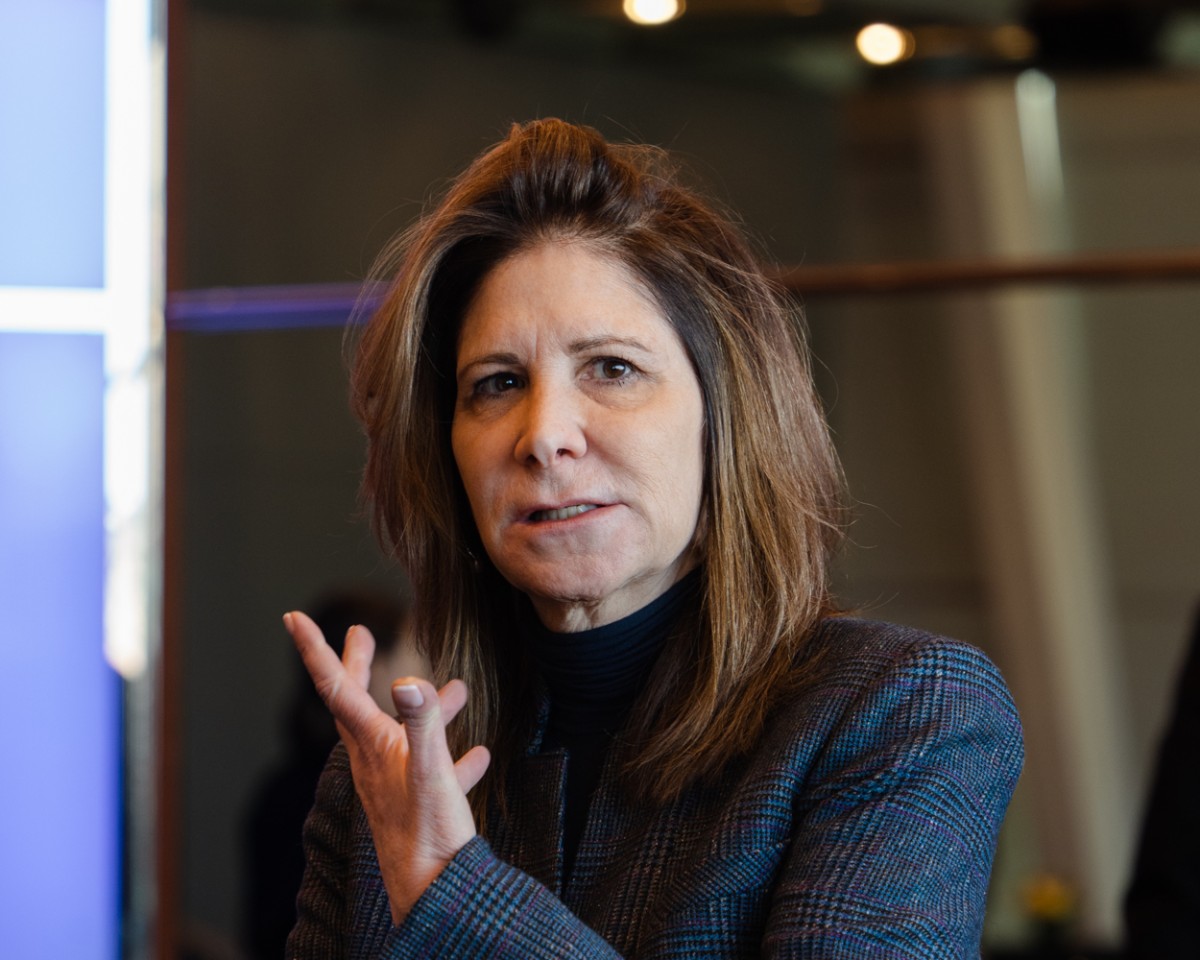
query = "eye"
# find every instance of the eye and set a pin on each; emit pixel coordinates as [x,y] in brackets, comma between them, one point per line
[612,368]
[495,384]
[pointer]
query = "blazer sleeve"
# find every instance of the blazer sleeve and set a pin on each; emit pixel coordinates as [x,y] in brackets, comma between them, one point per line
[479,906]
[899,818]
[321,905]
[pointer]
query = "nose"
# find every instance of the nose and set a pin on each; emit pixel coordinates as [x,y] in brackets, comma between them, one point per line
[552,427]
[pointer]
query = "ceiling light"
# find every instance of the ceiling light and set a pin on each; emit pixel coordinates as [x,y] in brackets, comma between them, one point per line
[882,44]
[649,13]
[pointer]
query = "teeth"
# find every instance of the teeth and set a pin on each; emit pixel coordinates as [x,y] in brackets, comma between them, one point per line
[564,513]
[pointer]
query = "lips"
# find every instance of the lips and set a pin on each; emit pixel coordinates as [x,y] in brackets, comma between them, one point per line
[562,513]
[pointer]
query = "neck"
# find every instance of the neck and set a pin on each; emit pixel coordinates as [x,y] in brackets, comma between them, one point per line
[577,614]
[595,672]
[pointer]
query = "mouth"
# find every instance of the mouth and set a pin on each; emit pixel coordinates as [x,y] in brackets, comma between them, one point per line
[562,513]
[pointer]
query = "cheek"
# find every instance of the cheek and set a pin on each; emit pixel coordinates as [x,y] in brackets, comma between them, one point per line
[475,469]
[457,450]
[677,472]
[692,452]
[464,460]
[687,441]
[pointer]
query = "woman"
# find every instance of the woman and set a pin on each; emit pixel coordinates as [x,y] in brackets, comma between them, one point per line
[595,445]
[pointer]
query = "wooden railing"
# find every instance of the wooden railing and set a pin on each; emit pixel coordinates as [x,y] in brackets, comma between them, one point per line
[940,275]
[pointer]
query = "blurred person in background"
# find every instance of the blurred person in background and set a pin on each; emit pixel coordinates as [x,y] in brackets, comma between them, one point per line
[1162,905]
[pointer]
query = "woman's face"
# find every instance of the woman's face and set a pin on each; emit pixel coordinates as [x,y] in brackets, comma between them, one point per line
[578,434]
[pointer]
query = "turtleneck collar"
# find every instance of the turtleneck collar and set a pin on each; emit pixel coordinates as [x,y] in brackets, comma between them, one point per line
[594,676]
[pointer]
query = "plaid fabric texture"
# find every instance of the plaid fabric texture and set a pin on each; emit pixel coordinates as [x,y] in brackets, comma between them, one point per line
[862,825]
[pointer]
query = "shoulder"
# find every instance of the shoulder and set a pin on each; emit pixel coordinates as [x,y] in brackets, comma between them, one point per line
[901,750]
[868,686]
[855,655]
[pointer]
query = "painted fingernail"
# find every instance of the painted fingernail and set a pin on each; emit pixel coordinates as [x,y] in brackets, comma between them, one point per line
[407,695]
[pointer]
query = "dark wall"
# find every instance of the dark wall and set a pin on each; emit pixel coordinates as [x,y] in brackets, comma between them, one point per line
[310,145]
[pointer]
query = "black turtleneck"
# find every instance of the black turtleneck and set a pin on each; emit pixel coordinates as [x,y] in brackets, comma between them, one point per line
[593,679]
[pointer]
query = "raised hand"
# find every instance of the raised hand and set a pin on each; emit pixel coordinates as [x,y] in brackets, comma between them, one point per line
[413,792]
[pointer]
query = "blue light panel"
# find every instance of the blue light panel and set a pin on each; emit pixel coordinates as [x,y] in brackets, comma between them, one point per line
[52,143]
[60,710]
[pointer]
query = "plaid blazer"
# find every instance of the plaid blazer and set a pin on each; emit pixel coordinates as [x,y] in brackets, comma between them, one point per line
[863,824]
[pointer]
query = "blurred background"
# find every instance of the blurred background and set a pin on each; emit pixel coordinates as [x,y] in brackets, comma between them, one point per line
[1023,455]
[990,214]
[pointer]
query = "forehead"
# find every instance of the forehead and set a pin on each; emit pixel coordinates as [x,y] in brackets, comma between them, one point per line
[561,290]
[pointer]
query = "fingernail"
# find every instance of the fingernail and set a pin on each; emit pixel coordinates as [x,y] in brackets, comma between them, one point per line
[407,695]
[287,621]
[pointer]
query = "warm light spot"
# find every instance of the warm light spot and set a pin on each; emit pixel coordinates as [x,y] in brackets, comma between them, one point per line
[881,44]
[650,13]
[1014,42]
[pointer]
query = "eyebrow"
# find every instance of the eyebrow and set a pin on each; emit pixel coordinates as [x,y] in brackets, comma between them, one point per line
[488,359]
[575,346]
[594,343]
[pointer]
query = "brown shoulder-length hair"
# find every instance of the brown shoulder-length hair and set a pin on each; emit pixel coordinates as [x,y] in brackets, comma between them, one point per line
[772,507]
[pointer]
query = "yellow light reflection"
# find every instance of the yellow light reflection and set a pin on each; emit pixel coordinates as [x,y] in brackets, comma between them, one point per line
[883,44]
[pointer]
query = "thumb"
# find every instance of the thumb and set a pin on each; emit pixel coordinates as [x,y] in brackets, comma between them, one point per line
[415,700]
[420,710]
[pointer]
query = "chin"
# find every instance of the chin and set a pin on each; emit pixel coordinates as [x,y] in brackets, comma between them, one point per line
[585,591]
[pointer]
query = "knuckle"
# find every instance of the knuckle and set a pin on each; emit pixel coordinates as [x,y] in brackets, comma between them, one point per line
[328,689]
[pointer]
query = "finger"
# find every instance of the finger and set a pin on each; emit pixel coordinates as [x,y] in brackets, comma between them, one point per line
[453,697]
[471,767]
[358,654]
[419,708]
[319,658]
[347,700]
